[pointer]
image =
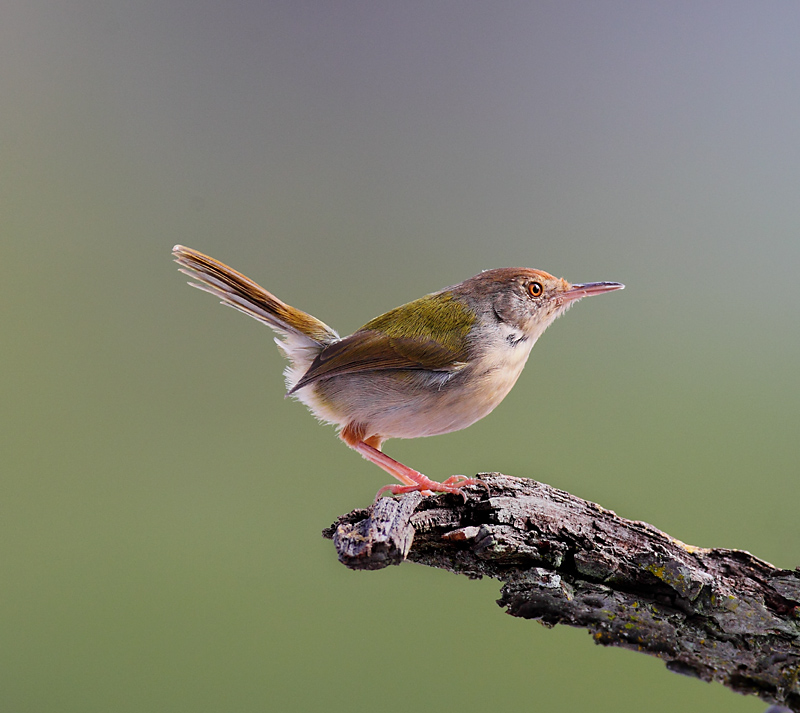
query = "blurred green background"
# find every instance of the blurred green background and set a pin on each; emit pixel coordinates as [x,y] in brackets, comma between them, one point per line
[161,504]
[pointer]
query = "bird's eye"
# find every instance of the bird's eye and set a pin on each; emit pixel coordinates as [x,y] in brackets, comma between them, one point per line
[535,289]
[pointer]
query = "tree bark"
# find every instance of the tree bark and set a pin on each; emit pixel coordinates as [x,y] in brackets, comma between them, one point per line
[717,614]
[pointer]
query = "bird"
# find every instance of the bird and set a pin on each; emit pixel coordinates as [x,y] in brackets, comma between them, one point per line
[434,365]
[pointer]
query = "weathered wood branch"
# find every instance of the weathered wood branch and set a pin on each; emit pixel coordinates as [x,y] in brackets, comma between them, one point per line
[717,614]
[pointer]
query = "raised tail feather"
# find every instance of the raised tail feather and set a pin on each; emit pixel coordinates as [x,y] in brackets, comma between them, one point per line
[305,336]
[240,292]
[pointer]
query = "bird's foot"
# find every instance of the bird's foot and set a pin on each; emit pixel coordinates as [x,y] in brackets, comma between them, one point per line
[426,486]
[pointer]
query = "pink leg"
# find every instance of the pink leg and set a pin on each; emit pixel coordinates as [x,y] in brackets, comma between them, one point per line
[412,479]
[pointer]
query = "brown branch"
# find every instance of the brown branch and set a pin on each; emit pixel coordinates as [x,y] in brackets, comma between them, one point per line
[717,614]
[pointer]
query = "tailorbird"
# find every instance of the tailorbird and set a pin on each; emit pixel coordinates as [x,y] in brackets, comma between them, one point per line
[435,365]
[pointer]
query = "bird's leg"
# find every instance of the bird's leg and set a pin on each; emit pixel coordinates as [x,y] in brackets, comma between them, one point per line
[411,479]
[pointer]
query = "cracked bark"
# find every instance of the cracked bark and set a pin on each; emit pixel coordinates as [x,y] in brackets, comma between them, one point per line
[717,614]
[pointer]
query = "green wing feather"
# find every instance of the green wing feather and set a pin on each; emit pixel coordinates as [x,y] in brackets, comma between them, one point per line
[429,334]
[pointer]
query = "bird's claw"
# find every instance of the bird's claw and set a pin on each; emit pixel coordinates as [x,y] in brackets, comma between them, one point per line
[460,481]
[453,484]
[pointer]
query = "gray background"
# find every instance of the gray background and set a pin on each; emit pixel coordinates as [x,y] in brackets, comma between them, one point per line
[160,503]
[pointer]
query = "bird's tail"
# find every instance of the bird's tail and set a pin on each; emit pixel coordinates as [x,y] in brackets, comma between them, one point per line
[304,336]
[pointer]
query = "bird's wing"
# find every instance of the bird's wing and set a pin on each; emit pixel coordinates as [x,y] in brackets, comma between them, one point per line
[367,350]
[430,333]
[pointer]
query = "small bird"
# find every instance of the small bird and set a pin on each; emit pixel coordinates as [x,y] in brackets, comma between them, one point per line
[435,365]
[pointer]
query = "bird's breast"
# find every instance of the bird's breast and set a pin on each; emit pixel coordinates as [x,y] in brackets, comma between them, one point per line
[497,371]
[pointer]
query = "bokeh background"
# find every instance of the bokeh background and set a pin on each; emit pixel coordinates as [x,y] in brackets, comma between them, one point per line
[161,504]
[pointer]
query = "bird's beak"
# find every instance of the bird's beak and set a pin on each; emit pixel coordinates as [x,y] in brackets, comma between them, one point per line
[587,289]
